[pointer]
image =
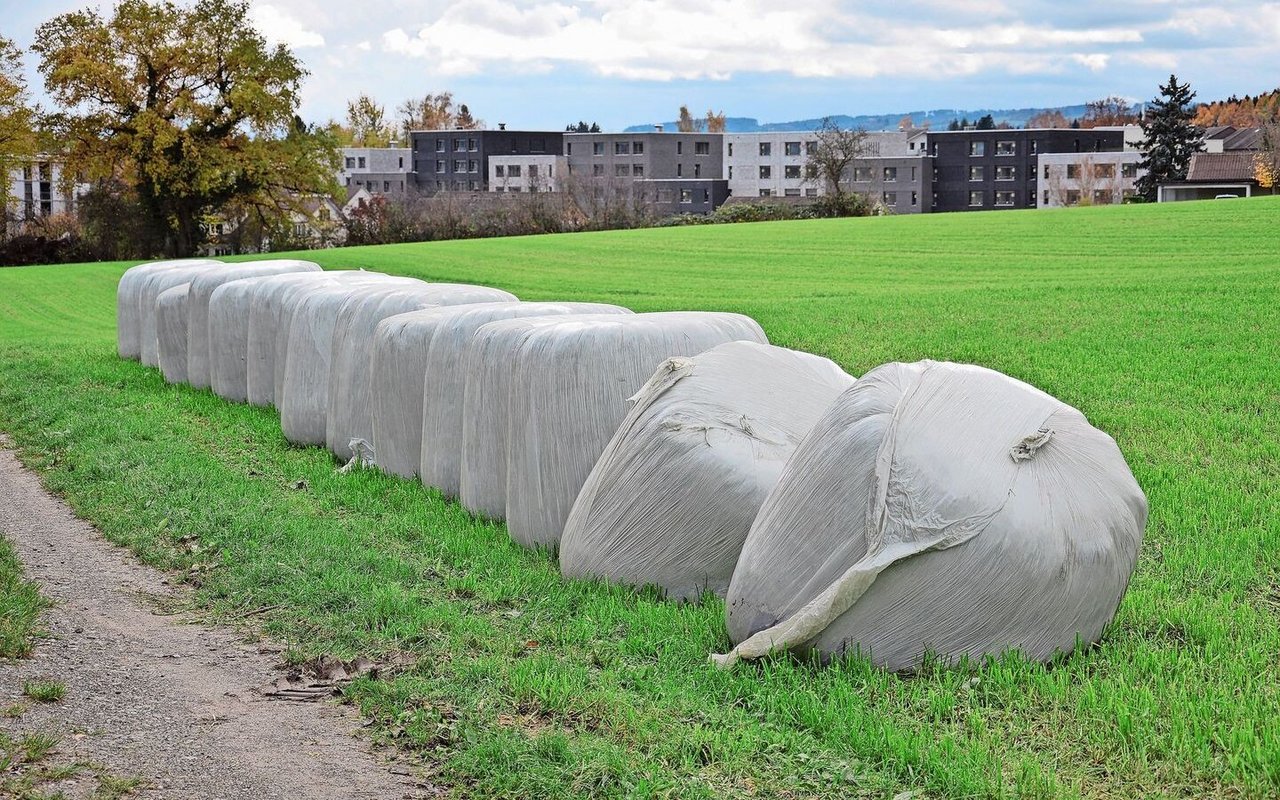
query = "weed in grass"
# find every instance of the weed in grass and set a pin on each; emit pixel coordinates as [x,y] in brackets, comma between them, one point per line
[1158,322]
[14,711]
[44,691]
[20,606]
[111,787]
[35,746]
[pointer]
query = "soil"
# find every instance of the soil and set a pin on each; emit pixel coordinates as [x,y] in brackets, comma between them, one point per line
[162,697]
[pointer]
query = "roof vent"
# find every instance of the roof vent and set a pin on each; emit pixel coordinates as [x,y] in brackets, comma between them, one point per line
[502,126]
[658,128]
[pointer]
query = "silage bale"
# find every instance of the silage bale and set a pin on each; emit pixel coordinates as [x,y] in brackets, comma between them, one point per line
[149,292]
[171,333]
[266,310]
[129,308]
[349,396]
[438,455]
[670,501]
[303,390]
[569,386]
[202,288]
[944,508]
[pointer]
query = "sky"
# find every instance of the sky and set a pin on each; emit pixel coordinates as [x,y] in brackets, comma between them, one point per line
[546,63]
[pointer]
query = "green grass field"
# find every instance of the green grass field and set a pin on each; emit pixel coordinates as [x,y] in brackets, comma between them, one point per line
[1161,323]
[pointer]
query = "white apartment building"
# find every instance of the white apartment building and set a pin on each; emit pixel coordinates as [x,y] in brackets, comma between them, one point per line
[527,173]
[1074,179]
[37,190]
[381,170]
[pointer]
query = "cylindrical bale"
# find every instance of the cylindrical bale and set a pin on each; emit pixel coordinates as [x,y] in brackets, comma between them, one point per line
[670,501]
[436,364]
[570,383]
[940,508]
[266,306]
[149,290]
[171,332]
[128,306]
[349,400]
[202,288]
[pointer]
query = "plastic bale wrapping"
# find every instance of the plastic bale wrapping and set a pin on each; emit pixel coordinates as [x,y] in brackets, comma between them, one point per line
[202,288]
[266,310]
[670,501]
[350,402]
[437,457]
[149,292]
[129,306]
[303,394]
[569,386]
[939,508]
[171,332]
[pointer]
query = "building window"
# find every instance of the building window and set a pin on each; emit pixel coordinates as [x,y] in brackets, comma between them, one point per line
[811,148]
[351,163]
[597,169]
[1046,198]
[913,174]
[791,148]
[440,166]
[1073,197]
[1102,197]
[915,199]
[471,145]
[459,166]
[811,192]
[679,170]
[514,171]
[766,172]
[1005,173]
[697,170]
[891,199]
[975,173]
[730,149]
[791,171]
[1004,198]
[637,148]
[515,188]
[500,171]
[622,148]
[637,170]
[360,162]
[890,174]
[439,145]
[686,195]
[459,145]
[730,172]
[439,186]
[1104,170]
[766,192]
[597,148]
[386,187]
[791,192]
[977,148]
[473,185]
[861,174]
[621,170]
[811,171]
[1073,171]
[1005,147]
[533,170]
[568,148]
[766,148]
[401,166]
[1033,147]
[702,148]
[975,199]
[473,166]
[1128,170]
[499,188]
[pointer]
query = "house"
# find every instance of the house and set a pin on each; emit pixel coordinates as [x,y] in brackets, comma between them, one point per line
[673,172]
[381,170]
[1214,175]
[311,222]
[458,160]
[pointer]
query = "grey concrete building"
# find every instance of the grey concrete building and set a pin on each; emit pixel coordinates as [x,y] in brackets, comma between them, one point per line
[1075,179]
[528,173]
[454,160]
[680,170]
[380,170]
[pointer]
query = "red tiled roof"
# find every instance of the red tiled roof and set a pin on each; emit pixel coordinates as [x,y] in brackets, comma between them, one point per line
[1215,167]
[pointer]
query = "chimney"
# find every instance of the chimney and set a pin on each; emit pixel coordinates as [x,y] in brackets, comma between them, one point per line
[502,126]
[658,128]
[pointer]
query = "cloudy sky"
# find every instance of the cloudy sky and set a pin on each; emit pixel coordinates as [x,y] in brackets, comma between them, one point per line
[544,63]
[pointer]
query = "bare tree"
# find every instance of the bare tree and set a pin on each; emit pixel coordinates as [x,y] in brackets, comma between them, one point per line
[1110,110]
[1052,118]
[715,122]
[435,112]
[1085,183]
[686,123]
[833,154]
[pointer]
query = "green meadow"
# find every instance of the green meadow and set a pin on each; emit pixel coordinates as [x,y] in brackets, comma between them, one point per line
[1161,323]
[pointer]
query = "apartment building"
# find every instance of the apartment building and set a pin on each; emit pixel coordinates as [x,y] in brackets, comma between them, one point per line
[38,189]
[454,160]
[680,172]
[380,170]
[1075,179]
[528,173]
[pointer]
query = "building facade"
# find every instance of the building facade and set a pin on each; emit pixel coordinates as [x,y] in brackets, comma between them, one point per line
[1076,179]
[649,157]
[380,170]
[40,189]
[453,160]
[529,173]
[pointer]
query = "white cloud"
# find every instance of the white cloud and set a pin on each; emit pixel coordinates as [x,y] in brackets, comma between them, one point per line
[279,27]
[1096,62]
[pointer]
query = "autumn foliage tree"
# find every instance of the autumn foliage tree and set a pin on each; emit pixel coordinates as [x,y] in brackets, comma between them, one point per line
[715,121]
[189,106]
[18,117]
[435,112]
[1109,111]
[367,123]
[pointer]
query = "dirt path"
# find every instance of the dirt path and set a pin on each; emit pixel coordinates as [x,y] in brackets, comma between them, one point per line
[156,696]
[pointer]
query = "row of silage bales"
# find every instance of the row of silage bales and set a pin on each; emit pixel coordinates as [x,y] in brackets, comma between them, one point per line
[129,303]
[417,383]
[266,317]
[150,289]
[670,501]
[350,391]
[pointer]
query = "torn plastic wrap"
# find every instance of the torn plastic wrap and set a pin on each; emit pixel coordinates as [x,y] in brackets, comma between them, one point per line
[266,310]
[670,501]
[202,288]
[943,508]
[129,304]
[171,333]
[570,381]
[350,397]
[441,386]
[150,289]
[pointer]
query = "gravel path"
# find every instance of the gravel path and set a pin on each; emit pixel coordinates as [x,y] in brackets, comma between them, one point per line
[158,697]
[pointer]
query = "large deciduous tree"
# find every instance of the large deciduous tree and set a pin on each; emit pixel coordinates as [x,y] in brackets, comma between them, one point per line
[435,112]
[18,118]
[367,123]
[834,153]
[1169,138]
[189,106]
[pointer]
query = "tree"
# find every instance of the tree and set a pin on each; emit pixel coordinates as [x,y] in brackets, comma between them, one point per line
[465,121]
[834,153]
[582,127]
[188,105]
[367,123]
[1110,110]
[715,122]
[1266,162]
[986,123]
[686,123]
[18,118]
[435,112]
[1049,118]
[1169,138]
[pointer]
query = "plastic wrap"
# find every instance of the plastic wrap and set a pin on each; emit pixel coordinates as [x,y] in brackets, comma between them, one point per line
[945,508]
[171,333]
[129,306]
[266,309]
[670,501]
[440,456]
[350,394]
[569,384]
[149,292]
[202,288]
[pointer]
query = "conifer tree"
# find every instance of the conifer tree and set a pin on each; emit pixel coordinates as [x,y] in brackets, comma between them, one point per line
[1169,138]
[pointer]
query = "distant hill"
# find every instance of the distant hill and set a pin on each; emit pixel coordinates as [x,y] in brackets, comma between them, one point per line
[938,119]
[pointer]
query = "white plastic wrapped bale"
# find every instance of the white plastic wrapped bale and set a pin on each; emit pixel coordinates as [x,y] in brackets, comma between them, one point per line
[171,332]
[943,508]
[569,386]
[202,288]
[350,378]
[128,305]
[266,308]
[670,501]
[303,397]
[445,384]
[149,292]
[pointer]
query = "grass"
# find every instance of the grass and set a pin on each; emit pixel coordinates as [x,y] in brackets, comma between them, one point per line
[1161,323]
[20,606]
[44,691]
[27,771]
